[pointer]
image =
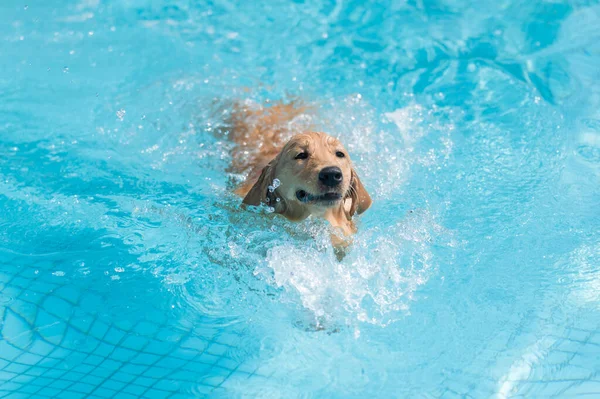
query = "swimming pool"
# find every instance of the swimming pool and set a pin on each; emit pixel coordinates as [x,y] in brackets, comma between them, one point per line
[127,270]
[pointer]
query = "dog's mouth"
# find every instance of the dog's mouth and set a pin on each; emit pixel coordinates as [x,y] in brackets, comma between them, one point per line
[322,199]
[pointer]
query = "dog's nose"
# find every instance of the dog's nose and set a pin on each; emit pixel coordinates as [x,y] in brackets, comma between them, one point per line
[331,176]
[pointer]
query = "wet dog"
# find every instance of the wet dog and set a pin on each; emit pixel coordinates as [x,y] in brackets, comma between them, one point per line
[298,173]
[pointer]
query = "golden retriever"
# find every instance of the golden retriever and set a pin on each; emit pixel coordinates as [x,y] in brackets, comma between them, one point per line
[296,173]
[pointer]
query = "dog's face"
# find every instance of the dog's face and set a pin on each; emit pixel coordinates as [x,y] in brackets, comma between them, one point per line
[312,173]
[314,169]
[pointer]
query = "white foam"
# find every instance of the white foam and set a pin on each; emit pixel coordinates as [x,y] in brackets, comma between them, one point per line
[374,284]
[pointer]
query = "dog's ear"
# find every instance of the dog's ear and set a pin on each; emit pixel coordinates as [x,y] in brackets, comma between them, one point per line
[360,200]
[261,193]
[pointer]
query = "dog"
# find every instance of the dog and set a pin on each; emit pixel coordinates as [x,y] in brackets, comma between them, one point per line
[296,171]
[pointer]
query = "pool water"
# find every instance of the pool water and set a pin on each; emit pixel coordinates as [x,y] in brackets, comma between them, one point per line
[127,268]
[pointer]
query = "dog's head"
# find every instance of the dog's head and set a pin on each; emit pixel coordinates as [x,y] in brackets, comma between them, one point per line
[311,174]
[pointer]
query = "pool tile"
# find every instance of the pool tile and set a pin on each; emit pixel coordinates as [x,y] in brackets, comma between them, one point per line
[57,307]
[157,372]
[121,376]
[93,360]
[50,392]
[106,393]
[136,390]
[124,395]
[15,368]
[195,343]
[103,350]
[144,381]
[227,363]
[157,394]
[5,376]
[30,359]
[146,328]
[159,348]
[135,343]
[30,389]
[83,322]
[114,336]
[145,359]
[60,384]
[73,376]
[133,369]
[111,364]
[98,329]
[113,384]
[183,375]
[41,347]
[123,355]
[170,363]
[68,293]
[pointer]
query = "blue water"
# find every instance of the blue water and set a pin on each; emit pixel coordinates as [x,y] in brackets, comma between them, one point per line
[127,268]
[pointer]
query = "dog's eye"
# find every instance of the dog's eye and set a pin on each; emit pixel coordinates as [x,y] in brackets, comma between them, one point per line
[302,155]
[340,154]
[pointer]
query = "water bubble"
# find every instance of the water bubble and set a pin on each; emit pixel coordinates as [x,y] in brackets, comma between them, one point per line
[276,183]
[119,269]
[121,114]
[58,273]
[66,69]
[26,7]
[278,199]
[91,33]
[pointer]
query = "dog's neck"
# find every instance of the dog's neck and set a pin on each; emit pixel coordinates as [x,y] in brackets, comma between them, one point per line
[338,218]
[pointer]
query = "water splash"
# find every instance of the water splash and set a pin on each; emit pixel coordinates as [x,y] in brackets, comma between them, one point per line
[374,284]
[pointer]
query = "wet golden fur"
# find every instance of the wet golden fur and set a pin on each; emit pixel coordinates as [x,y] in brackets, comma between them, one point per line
[267,146]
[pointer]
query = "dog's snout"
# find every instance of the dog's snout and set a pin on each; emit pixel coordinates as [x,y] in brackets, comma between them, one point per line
[331,176]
